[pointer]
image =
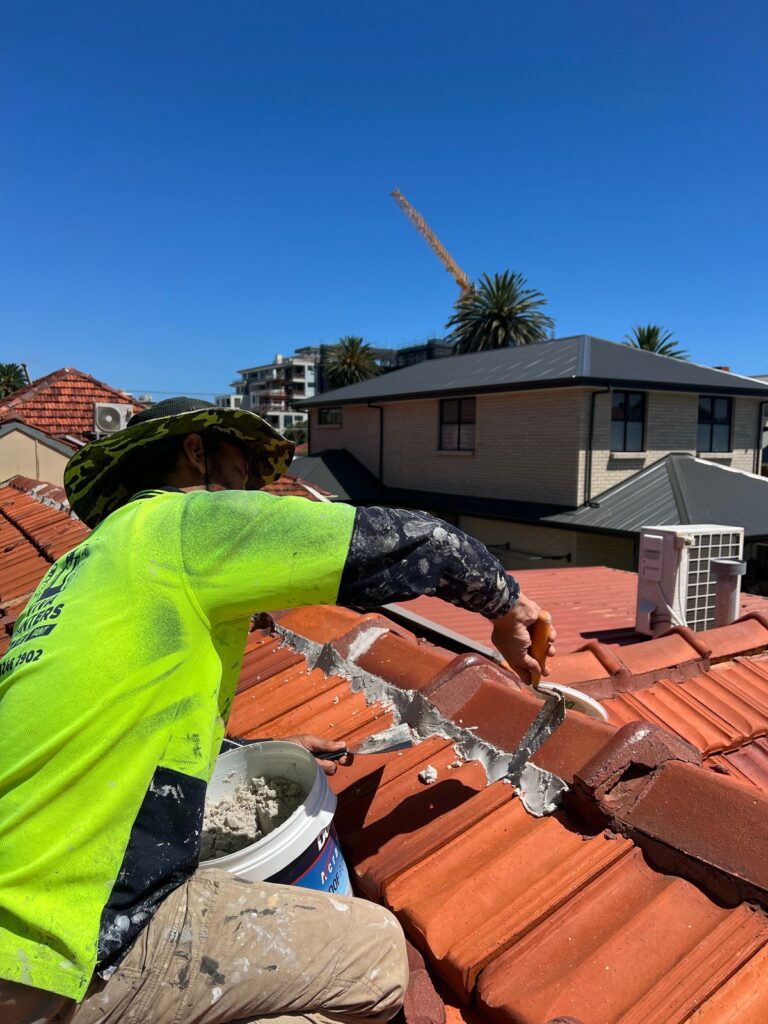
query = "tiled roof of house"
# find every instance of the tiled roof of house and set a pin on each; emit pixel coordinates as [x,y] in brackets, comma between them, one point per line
[598,648]
[61,403]
[641,901]
[576,361]
[293,486]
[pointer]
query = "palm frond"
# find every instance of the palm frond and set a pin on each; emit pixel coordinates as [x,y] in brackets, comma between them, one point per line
[500,312]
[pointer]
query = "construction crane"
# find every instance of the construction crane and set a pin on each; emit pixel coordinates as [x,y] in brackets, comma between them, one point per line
[434,243]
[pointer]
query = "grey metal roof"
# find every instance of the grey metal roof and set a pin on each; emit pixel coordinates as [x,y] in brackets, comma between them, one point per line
[559,363]
[338,471]
[677,490]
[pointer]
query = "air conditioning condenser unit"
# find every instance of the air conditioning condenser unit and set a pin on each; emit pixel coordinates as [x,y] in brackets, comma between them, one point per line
[676,585]
[109,417]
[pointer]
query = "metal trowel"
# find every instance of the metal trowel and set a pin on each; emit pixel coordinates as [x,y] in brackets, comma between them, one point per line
[540,790]
[399,737]
[575,700]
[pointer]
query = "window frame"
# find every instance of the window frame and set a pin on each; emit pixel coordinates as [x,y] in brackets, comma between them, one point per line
[463,405]
[711,424]
[626,420]
[324,410]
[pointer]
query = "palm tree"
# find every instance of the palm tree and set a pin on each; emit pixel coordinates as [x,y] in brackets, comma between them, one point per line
[350,361]
[12,377]
[653,338]
[501,311]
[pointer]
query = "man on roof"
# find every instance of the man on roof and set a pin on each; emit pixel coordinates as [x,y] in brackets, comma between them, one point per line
[114,699]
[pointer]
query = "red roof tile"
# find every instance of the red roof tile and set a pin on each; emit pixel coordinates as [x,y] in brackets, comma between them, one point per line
[720,710]
[61,403]
[748,765]
[296,487]
[485,890]
[636,946]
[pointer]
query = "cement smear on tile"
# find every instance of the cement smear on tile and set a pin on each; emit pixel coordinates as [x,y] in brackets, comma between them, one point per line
[251,812]
[539,790]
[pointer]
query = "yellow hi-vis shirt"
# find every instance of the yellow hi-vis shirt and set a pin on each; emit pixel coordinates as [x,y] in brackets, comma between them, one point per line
[114,696]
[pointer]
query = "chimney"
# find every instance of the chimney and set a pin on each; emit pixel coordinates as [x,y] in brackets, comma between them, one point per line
[725,369]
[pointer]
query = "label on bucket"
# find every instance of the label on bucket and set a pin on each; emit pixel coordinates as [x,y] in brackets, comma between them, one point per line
[320,866]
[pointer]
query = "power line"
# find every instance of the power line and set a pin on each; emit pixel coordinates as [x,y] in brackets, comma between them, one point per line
[155,391]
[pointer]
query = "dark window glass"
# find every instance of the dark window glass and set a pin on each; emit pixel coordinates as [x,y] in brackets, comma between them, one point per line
[714,428]
[627,421]
[457,424]
[330,416]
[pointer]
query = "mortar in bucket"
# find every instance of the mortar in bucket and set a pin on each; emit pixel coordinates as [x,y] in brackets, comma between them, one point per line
[304,849]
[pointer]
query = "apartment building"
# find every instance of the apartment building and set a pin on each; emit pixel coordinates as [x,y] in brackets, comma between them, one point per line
[272,390]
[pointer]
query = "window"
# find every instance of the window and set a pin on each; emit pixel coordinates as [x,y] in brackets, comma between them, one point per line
[457,424]
[330,416]
[714,430]
[288,421]
[628,421]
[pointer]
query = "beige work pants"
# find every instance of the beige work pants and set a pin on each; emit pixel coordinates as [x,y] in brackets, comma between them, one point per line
[219,950]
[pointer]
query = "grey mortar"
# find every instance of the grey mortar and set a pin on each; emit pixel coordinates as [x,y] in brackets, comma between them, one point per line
[539,790]
[247,814]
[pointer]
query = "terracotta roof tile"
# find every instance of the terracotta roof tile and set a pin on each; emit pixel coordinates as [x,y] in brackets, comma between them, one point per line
[61,403]
[748,765]
[636,946]
[450,900]
[295,487]
[481,888]
[720,710]
[743,999]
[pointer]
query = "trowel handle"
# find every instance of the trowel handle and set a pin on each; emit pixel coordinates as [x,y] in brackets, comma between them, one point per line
[540,632]
[334,755]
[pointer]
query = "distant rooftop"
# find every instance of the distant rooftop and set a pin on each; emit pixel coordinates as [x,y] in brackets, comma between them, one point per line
[563,362]
[678,490]
[61,404]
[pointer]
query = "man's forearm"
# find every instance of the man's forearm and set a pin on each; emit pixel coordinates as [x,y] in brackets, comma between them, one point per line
[395,555]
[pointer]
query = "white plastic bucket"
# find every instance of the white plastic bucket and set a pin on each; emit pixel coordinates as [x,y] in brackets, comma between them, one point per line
[304,850]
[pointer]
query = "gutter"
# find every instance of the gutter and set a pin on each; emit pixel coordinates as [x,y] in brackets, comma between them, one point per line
[760,431]
[381,439]
[619,384]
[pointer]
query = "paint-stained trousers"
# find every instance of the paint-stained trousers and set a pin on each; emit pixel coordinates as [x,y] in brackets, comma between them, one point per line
[219,950]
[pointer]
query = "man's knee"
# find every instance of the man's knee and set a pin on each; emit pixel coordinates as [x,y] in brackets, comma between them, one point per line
[387,974]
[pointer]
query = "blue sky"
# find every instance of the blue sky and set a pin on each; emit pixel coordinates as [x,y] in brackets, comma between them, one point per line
[188,187]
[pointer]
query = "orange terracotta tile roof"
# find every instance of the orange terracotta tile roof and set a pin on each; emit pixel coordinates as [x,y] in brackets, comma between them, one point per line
[598,649]
[641,901]
[296,487]
[61,403]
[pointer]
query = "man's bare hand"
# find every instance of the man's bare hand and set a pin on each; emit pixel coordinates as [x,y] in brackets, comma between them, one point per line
[317,745]
[512,638]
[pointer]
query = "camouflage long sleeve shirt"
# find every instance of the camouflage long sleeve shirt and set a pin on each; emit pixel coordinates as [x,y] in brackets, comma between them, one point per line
[395,555]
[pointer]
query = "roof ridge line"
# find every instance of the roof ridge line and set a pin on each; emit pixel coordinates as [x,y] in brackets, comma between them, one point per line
[678,488]
[584,362]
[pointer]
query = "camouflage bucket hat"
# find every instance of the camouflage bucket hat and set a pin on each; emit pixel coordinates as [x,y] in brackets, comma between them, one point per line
[94,477]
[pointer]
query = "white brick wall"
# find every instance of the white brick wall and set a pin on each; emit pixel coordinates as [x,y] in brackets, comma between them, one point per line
[358,433]
[529,445]
[671,421]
